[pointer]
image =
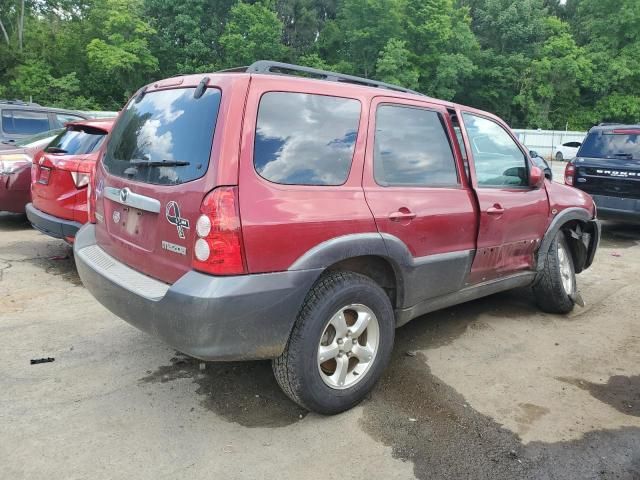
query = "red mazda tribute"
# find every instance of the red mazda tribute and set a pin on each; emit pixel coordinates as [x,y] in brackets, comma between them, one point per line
[256,214]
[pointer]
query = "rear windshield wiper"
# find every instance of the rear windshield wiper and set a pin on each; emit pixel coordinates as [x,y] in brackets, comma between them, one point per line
[158,163]
[55,150]
[625,155]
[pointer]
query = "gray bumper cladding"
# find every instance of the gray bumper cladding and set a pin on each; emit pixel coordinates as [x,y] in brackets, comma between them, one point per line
[245,317]
[50,225]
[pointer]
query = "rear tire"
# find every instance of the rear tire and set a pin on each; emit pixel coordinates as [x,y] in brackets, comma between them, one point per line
[340,344]
[559,156]
[557,282]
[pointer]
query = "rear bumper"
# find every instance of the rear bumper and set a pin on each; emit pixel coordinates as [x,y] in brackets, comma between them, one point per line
[50,225]
[617,208]
[246,317]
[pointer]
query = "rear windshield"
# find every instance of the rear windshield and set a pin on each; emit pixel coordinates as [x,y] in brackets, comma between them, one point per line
[612,144]
[77,140]
[165,138]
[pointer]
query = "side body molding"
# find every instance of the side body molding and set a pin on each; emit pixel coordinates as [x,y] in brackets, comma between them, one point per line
[417,278]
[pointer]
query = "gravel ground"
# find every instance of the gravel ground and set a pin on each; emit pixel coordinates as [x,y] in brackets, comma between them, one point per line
[490,389]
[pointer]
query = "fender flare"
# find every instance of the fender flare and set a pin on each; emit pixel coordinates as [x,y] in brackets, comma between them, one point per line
[349,246]
[567,215]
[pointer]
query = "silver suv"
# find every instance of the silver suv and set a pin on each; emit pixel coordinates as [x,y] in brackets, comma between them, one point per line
[20,119]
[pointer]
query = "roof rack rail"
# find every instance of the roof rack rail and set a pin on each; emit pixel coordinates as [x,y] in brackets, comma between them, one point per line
[279,68]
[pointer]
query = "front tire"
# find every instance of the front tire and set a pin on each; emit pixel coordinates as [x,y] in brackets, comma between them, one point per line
[340,344]
[559,156]
[556,286]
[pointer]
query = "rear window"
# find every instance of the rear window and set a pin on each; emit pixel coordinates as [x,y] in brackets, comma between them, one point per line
[623,143]
[24,122]
[77,140]
[305,139]
[165,138]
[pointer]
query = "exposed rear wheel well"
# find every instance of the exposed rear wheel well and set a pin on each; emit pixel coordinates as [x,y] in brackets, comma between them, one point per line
[376,268]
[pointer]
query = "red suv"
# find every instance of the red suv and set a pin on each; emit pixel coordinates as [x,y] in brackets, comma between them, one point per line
[250,215]
[60,176]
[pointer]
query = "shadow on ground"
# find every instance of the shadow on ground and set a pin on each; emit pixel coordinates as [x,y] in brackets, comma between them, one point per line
[10,222]
[620,235]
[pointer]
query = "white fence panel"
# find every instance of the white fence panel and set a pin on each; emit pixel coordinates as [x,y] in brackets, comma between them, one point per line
[545,141]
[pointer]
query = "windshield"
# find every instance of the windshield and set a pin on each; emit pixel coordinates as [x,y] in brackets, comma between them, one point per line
[165,138]
[622,143]
[77,140]
[31,140]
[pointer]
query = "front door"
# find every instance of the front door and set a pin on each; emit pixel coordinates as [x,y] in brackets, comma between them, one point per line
[513,215]
[418,194]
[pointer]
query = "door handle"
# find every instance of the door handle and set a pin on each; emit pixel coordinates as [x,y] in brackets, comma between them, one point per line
[402,214]
[495,210]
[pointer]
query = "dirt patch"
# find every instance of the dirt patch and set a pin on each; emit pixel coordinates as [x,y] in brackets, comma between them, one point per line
[620,392]
[427,422]
[244,392]
[62,265]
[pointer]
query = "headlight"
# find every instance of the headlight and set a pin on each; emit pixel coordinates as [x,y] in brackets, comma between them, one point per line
[11,163]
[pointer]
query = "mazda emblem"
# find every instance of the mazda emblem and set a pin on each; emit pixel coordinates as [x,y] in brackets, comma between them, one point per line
[124,194]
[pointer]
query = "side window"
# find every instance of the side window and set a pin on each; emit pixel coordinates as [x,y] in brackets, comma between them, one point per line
[498,160]
[24,122]
[305,139]
[411,148]
[62,118]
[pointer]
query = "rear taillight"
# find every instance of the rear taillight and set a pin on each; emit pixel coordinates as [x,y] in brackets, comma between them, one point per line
[218,247]
[91,196]
[569,174]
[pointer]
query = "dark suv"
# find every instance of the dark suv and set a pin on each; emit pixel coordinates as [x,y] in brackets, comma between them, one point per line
[20,119]
[607,166]
[256,214]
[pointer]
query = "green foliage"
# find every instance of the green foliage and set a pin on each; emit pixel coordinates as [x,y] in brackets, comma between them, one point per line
[253,32]
[394,66]
[536,63]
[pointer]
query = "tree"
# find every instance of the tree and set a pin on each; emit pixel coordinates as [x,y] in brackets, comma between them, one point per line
[120,59]
[252,32]
[394,66]
[359,33]
[553,82]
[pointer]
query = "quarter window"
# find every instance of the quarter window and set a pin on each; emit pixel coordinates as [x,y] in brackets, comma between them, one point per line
[411,148]
[24,122]
[305,139]
[498,160]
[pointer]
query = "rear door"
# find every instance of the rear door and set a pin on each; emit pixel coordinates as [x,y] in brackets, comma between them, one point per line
[415,186]
[513,215]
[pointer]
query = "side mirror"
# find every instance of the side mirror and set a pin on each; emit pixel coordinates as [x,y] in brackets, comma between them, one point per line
[533,154]
[536,177]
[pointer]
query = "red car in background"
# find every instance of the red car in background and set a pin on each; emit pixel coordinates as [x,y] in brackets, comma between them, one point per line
[60,176]
[15,169]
